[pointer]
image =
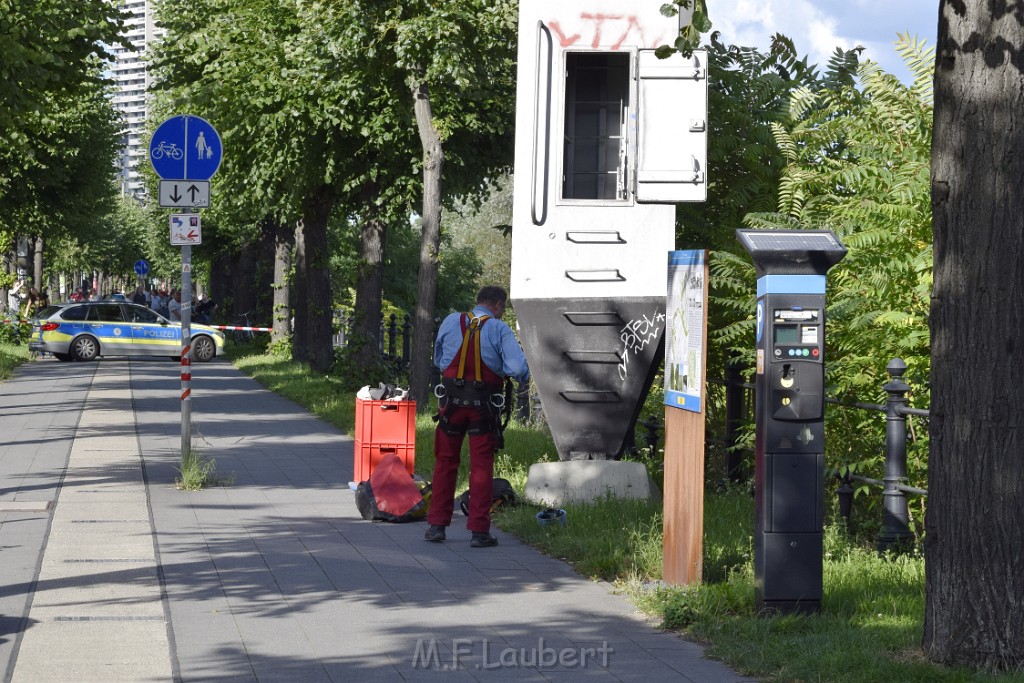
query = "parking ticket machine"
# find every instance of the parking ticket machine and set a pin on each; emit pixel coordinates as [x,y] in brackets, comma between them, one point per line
[790,412]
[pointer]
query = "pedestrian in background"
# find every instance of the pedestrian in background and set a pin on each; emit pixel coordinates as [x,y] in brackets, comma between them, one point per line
[174,307]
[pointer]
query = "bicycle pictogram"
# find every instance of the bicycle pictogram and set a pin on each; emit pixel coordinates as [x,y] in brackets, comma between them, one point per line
[168,149]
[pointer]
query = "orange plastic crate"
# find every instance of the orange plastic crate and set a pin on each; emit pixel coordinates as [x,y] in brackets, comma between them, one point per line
[383,427]
[368,456]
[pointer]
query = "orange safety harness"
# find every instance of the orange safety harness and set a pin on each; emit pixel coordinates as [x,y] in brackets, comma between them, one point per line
[471,337]
[484,392]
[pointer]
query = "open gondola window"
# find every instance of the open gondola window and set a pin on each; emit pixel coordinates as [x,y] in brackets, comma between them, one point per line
[596,106]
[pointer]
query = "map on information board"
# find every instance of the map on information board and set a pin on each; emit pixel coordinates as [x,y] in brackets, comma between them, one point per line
[684,330]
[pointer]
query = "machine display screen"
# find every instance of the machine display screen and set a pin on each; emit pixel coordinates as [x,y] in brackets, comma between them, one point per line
[786,334]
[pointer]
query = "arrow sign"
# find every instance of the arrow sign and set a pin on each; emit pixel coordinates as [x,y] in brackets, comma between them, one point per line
[185,148]
[186,229]
[184,194]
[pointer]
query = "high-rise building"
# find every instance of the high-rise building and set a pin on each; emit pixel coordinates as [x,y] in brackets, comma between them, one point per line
[132,81]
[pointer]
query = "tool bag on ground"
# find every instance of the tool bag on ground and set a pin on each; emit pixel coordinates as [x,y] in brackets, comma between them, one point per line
[391,494]
[502,494]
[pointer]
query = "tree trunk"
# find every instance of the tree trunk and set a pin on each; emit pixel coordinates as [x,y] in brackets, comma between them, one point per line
[300,331]
[974,565]
[430,241]
[284,242]
[8,266]
[244,282]
[37,264]
[370,281]
[316,213]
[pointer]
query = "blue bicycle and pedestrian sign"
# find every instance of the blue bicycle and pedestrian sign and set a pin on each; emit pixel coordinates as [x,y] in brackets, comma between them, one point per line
[185,148]
[141,267]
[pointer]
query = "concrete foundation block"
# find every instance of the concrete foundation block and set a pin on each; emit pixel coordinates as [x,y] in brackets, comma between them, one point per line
[582,481]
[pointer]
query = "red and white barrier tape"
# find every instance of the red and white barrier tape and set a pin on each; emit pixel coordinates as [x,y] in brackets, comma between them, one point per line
[244,329]
[22,322]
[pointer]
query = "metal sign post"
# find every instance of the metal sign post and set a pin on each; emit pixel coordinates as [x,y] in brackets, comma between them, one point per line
[186,360]
[185,152]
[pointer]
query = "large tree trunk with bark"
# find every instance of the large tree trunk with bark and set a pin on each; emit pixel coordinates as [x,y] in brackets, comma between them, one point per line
[316,213]
[430,242]
[284,242]
[974,605]
[300,330]
[370,280]
[6,266]
[244,280]
[37,263]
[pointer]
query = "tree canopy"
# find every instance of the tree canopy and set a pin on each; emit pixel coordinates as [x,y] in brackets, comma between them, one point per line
[57,123]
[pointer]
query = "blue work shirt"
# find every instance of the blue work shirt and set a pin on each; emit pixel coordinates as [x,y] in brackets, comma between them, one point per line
[499,348]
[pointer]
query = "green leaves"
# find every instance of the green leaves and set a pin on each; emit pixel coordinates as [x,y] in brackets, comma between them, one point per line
[57,122]
[846,157]
[688,39]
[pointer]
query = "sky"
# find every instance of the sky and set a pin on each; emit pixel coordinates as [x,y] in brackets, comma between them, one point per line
[817,27]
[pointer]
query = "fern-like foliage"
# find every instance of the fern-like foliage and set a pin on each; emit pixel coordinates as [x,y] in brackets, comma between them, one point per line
[855,148]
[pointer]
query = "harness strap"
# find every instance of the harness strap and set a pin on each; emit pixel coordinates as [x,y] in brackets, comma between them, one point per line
[471,336]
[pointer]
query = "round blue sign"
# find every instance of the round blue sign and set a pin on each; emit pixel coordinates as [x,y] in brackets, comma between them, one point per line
[141,267]
[185,148]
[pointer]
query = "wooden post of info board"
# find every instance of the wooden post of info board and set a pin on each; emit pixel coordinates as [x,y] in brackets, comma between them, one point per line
[685,410]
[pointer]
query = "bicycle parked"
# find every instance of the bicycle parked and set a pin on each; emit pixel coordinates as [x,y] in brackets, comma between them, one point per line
[243,336]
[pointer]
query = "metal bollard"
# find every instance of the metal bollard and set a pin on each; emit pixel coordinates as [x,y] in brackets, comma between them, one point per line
[406,339]
[392,333]
[896,523]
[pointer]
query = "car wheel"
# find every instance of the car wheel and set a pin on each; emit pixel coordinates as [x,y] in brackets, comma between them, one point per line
[62,357]
[203,349]
[85,348]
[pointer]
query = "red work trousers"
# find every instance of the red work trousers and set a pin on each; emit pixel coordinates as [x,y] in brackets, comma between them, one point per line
[447,456]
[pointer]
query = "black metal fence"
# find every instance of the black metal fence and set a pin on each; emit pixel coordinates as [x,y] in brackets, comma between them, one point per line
[731,405]
[395,335]
[895,533]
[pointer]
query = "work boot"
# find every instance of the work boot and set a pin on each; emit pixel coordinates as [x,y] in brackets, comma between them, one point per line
[435,533]
[482,540]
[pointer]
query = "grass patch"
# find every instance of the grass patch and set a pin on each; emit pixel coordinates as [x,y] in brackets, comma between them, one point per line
[325,396]
[609,539]
[872,614]
[11,356]
[196,471]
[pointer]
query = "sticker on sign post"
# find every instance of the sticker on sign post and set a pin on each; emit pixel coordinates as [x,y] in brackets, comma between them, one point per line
[186,229]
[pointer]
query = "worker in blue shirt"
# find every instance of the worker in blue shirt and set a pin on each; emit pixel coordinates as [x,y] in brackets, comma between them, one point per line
[476,351]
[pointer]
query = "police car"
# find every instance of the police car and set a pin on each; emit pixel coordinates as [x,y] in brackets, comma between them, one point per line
[84,331]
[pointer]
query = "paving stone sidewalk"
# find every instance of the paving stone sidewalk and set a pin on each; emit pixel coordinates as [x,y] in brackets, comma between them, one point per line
[274,576]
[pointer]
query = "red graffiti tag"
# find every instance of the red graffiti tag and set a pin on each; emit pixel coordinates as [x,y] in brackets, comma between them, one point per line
[563,40]
[601,22]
